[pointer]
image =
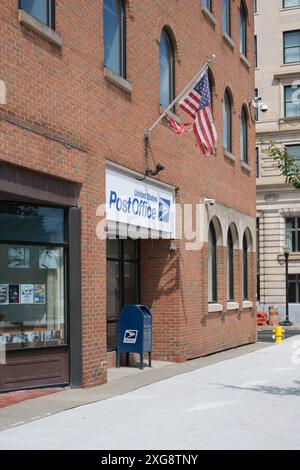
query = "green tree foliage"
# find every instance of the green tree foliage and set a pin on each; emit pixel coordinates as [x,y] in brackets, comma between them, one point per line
[287,165]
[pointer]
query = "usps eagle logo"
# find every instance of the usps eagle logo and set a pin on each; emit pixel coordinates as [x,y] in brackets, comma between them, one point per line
[164,210]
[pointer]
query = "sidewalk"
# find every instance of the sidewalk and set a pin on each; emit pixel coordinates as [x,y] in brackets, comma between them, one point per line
[248,401]
[120,381]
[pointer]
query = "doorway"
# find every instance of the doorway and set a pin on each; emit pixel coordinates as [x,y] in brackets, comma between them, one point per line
[123,282]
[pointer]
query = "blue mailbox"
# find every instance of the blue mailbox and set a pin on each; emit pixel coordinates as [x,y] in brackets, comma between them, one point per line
[135,332]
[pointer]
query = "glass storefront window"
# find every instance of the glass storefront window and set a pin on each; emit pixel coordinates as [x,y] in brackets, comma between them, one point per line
[27,223]
[32,276]
[32,306]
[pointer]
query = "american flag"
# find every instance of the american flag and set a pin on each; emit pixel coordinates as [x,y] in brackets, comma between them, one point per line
[197,103]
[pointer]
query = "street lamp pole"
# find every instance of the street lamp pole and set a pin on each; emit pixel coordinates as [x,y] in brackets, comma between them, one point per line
[287,321]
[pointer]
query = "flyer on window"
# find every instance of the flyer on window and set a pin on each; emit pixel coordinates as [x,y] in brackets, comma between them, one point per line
[4,294]
[27,294]
[14,294]
[49,259]
[39,294]
[18,258]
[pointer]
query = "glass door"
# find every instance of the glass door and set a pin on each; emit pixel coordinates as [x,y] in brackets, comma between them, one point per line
[122,282]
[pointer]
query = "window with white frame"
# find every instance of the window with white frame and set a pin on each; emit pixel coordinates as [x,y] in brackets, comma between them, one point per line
[212,264]
[292,101]
[245,268]
[243,29]
[207,4]
[291,3]
[244,136]
[292,234]
[166,68]
[114,36]
[42,10]
[226,20]
[291,47]
[230,267]
[227,122]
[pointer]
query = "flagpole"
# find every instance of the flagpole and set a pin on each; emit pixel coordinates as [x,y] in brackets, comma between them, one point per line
[150,129]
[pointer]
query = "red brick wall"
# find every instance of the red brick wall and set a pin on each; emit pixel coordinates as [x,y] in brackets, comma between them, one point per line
[64,91]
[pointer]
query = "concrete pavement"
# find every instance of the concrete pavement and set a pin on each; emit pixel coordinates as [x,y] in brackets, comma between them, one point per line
[247,402]
[120,381]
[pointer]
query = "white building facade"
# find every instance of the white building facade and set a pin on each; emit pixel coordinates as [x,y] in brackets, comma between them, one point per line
[277,36]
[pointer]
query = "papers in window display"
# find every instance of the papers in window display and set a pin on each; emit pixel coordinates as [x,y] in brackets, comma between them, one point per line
[4,294]
[49,259]
[31,337]
[14,293]
[18,258]
[25,294]
[39,294]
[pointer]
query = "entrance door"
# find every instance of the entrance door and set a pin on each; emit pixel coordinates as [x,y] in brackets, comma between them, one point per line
[122,282]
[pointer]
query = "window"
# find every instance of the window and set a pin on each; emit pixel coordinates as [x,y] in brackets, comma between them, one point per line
[294,152]
[32,276]
[294,288]
[257,262]
[255,6]
[122,282]
[256,109]
[114,36]
[243,30]
[42,10]
[292,234]
[226,23]
[211,82]
[166,63]
[255,51]
[207,4]
[257,161]
[292,101]
[244,136]
[291,3]
[245,268]
[212,264]
[230,268]
[227,122]
[291,47]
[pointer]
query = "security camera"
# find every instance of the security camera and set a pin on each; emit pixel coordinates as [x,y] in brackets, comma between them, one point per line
[211,202]
[264,107]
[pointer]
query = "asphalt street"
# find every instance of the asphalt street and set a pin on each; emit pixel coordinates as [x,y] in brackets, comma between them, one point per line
[249,402]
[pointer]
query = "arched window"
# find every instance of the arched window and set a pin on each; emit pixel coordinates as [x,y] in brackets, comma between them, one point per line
[243,29]
[114,36]
[230,267]
[227,122]
[212,84]
[212,264]
[226,23]
[166,70]
[244,136]
[245,267]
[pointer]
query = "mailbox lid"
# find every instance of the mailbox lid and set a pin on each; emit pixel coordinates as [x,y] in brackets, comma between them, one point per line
[146,313]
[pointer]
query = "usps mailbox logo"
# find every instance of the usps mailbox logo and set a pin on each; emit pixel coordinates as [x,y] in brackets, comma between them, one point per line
[130,336]
[164,210]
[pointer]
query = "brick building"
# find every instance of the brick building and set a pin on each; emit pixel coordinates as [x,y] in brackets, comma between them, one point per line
[80,83]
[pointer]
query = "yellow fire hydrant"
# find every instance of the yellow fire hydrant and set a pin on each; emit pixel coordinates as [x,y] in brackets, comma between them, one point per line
[278,334]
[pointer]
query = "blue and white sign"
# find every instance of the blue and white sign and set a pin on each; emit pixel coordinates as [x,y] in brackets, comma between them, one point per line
[139,203]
